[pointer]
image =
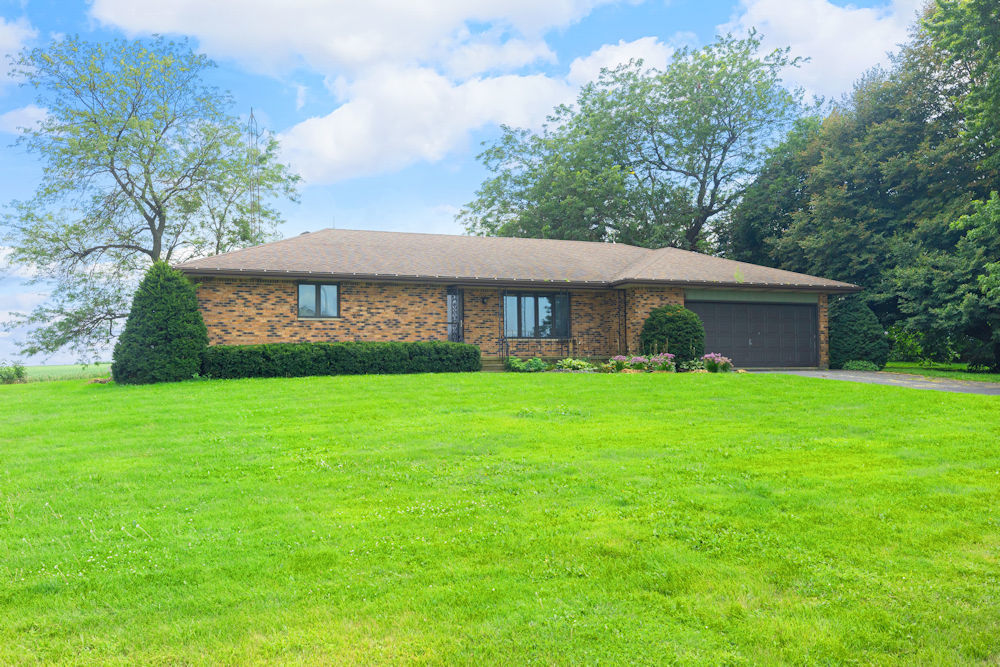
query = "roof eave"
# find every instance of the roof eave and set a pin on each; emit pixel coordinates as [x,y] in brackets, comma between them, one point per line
[390,277]
[839,288]
[479,280]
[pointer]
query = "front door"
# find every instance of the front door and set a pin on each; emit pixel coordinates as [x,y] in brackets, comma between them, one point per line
[456,315]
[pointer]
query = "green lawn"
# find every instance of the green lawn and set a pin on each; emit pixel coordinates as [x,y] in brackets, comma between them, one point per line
[485,518]
[67,372]
[951,371]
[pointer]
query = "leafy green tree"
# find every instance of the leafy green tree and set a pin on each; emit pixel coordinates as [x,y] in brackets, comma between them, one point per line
[871,196]
[780,190]
[968,32]
[164,338]
[645,156]
[142,162]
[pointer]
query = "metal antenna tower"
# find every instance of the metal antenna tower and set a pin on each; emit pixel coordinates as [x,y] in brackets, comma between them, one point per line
[253,173]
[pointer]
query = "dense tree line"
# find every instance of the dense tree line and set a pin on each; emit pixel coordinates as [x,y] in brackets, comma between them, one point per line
[895,189]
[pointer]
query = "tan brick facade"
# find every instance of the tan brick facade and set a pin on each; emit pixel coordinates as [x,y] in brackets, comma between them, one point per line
[639,302]
[244,311]
[604,322]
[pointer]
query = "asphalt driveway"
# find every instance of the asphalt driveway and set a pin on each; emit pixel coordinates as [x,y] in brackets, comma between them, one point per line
[903,380]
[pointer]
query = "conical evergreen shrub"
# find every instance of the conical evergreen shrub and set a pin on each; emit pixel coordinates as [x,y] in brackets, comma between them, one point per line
[855,333]
[164,337]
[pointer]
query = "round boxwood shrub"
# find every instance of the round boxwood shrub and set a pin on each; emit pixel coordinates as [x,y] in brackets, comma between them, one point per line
[164,337]
[673,329]
[855,334]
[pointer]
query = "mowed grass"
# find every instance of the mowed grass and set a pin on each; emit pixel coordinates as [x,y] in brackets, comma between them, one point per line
[955,371]
[499,518]
[67,372]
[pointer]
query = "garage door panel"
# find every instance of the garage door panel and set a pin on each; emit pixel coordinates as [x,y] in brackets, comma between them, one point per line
[760,334]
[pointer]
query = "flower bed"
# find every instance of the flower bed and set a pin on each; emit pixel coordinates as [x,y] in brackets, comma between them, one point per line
[657,363]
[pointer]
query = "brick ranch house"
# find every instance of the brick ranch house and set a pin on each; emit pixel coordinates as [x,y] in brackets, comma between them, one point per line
[509,296]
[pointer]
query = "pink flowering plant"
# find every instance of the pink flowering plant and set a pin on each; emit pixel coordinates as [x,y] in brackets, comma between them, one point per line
[662,362]
[638,363]
[619,363]
[716,363]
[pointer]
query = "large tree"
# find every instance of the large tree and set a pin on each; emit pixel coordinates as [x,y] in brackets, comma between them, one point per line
[142,162]
[871,197]
[967,32]
[644,156]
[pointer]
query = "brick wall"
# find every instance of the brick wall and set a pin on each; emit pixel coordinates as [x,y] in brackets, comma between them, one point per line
[593,325]
[639,302]
[243,311]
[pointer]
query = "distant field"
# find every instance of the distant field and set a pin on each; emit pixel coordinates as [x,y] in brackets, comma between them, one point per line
[67,372]
[491,518]
[951,371]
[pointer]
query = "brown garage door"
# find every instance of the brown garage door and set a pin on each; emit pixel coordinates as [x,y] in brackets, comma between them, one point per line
[757,335]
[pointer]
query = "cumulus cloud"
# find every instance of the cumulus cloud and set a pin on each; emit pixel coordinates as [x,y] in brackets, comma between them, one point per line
[412,79]
[404,115]
[14,34]
[11,122]
[842,41]
[475,58]
[343,35]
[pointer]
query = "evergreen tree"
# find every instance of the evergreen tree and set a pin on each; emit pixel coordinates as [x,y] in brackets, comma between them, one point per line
[164,337]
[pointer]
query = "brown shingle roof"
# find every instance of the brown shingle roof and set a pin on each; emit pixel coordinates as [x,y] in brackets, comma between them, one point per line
[345,253]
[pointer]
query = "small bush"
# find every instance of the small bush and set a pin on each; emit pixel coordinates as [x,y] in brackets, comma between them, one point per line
[859,365]
[11,373]
[714,362]
[534,365]
[855,333]
[905,345]
[673,329]
[570,364]
[618,363]
[691,365]
[164,336]
[355,358]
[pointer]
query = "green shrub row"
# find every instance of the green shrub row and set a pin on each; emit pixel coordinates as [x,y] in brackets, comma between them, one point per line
[303,359]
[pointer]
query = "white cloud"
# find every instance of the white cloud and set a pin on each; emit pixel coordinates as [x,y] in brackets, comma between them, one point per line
[403,115]
[413,79]
[650,50]
[14,34]
[842,42]
[12,121]
[475,58]
[341,35]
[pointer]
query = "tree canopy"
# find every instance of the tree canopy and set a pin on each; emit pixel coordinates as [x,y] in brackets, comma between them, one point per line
[142,161]
[646,157]
[892,192]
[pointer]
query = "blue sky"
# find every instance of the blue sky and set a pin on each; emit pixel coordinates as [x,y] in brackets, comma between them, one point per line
[382,105]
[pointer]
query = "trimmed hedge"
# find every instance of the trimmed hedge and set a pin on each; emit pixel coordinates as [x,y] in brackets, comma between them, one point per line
[303,359]
[855,334]
[673,329]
